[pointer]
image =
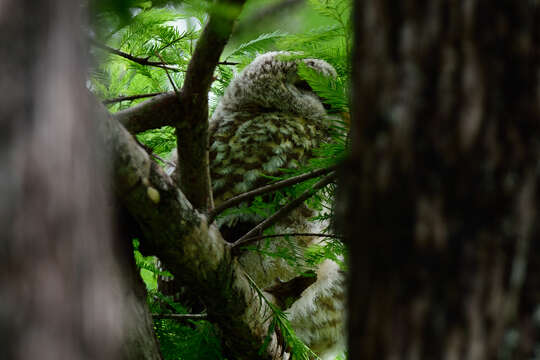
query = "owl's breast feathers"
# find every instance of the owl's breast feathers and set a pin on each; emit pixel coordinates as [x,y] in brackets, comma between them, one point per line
[241,152]
[264,123]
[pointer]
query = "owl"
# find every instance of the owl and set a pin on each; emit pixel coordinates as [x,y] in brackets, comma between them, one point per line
[269,119]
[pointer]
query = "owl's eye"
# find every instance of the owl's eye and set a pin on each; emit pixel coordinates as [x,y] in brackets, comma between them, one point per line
[303,85]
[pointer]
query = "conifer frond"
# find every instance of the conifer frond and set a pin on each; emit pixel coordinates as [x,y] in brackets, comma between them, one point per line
[321,34]
[261,43]
[161,141]
[333,91]
[338,10]
[280,324]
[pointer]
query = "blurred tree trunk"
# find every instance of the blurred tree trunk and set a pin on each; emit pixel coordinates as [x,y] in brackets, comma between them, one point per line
[443,180]
[66,280]
[140,341]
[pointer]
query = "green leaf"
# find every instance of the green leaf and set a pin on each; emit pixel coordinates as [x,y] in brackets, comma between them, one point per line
[258,44]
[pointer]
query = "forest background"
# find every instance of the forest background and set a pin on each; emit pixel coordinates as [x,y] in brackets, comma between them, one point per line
[440,184]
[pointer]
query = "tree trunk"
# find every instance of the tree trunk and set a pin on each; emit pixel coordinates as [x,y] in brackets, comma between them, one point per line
[442,180]
[140,341]
[66,281]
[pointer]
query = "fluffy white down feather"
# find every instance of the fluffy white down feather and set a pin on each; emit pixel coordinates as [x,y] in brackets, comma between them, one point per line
[318,316]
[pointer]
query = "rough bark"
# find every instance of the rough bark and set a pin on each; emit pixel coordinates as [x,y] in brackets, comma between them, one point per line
[193,172]
[68,285]
[159,111]
[188,110]
[140,341]
[442,183]
[194,252]
[59,283]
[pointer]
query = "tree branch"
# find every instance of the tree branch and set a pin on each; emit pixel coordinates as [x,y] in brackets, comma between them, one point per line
[286,209]
[171,81]
[193,172]
[135,59]
[130,97]
[266,189]
[228,63]
[159,111]
[256,238]
[150,152]
[180,316]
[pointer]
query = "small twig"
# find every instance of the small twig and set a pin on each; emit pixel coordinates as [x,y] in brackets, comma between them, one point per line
[170,78]
[266,189]
[174,41]
[287,208]
[228,63]
[131,97]
[180,316]
[170,163]
[138,60]
[149,151]
[255,238]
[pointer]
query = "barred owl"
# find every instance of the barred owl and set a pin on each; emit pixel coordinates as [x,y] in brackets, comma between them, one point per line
[270,119]
[267,119]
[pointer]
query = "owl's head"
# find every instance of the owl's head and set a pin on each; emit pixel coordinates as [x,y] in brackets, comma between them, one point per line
[271,84]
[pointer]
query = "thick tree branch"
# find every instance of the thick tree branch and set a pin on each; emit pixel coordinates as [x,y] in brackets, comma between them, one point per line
[130,97]
[286,209]
[180,236]
[159,111]
[193,171]
[266,189]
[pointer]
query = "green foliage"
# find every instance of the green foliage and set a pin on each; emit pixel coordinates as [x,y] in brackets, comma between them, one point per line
[148,267]
[281,325]
[194,340]
[324,41]
[334,92]
[292,253]
[170,34]
[160,141]
[186,340]
[332,249]
[153,35]
[223,77]
[247,51]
